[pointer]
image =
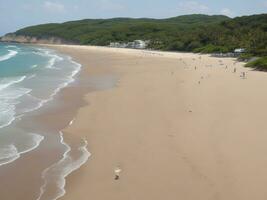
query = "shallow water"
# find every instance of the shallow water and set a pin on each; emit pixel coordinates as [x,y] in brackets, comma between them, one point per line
[30,78]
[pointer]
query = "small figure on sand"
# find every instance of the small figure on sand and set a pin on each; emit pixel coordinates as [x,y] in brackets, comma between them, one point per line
[195,67]
[243,75]
[234,70]
[117,172]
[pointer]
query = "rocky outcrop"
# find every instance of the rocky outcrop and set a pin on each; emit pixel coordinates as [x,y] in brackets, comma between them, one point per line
[33,40]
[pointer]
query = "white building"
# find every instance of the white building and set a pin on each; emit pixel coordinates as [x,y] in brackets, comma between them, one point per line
[137,44]
[140,44]
[118,45]
[239,50]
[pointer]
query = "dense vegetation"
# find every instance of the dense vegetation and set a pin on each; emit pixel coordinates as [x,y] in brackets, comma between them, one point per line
[198,33]
[259,64]
[165,34]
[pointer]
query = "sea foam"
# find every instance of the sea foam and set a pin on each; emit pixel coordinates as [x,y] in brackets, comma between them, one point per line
[22,94]
[10,153]
[11,54]
[69,79]
[6,82]
[49,54]
[57,173]
[8,99]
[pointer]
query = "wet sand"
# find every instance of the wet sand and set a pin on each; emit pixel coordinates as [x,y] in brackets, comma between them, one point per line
[179,126]
[48,121]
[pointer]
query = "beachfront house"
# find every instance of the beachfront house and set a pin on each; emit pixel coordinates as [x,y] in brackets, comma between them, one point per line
[235,53]
[239,50]
[137,44]
[140,44]
[118,45]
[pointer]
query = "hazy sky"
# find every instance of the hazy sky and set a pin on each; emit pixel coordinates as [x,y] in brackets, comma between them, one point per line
[15,14]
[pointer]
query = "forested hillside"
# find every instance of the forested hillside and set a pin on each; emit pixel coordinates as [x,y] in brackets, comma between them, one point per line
[198,33]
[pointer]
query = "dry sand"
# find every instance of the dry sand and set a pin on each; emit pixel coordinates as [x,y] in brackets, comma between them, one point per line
[179,126]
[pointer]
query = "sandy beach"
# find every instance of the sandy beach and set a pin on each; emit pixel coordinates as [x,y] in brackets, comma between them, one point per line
[177,125]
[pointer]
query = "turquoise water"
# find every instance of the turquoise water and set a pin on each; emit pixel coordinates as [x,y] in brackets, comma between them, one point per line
[30,78]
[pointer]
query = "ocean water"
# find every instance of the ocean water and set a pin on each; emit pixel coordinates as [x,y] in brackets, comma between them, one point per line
[30,78]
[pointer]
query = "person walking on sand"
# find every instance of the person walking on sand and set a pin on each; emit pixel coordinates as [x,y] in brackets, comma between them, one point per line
[234,70]
[243,75]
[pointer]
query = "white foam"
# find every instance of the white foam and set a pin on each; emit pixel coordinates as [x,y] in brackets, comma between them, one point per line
[53,57]
[51,63]
[8,99]
[68,81]
[36,141]
[11,46]
[71,122]
[7,113]
[9,153]
[57,173]
[14,93]
[34,66]
[11,54]
[6,82]
[35,104]
[31,76]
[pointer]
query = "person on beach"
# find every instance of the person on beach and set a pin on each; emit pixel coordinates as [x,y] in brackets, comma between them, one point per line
[243,75]
[234,70]
[117,172]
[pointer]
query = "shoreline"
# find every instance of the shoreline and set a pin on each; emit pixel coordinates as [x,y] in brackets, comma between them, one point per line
[46,120]
[72,93]
[54,120]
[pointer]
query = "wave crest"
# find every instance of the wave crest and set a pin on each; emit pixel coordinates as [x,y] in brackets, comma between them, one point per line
[11,54]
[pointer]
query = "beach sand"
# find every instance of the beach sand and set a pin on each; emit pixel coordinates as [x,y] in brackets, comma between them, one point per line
[177,125]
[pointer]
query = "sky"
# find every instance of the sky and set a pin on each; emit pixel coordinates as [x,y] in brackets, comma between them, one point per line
[16,14]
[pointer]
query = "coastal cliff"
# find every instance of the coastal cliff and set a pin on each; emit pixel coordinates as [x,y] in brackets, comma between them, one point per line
[33,40]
